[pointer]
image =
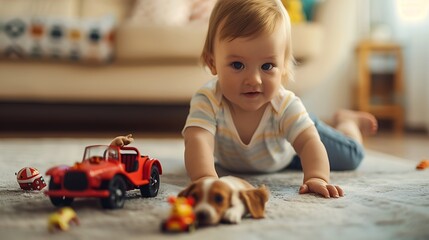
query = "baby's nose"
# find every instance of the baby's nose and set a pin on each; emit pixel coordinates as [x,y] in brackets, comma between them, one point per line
[253,78]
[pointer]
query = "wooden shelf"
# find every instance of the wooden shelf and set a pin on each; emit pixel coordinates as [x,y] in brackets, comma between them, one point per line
[391,95]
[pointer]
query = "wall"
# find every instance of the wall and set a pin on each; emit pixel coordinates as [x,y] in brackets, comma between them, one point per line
[408,23]
[337,64]
[337,91]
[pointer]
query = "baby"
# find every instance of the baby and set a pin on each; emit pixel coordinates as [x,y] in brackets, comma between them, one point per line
[246,121]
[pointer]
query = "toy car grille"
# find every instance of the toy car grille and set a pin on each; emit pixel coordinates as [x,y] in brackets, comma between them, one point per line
[75,181]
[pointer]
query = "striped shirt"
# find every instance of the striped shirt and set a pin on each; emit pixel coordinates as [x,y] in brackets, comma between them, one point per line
[270,148]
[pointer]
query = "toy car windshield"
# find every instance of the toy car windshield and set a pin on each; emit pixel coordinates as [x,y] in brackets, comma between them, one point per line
[96,154]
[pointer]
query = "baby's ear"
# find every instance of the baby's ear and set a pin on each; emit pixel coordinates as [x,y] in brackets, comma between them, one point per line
[254,200]
[210,62]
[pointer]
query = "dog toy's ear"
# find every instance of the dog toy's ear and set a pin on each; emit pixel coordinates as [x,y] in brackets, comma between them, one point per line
[255,200]
[185,192]
[121,141]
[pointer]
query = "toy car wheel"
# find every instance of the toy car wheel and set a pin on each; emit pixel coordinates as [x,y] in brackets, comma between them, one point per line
[117,188]
[151,189]
[58,201]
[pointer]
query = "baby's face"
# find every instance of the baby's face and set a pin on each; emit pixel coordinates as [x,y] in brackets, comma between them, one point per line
[250,69]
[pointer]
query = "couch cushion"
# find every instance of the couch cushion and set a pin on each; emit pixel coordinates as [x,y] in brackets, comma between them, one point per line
[161,12]
[57,8]
[120,9]
[307,40]
[127,83]
[201,9]
[139,42]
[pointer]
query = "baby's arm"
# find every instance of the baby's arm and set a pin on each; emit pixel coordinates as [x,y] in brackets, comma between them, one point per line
[315,164]
[199,148]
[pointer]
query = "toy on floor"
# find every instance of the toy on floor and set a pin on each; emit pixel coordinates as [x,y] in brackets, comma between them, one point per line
[295,10]
[106,172]
[30,179]
[423,164]
[121,141]
[62,218]
[226,199]
[182,217]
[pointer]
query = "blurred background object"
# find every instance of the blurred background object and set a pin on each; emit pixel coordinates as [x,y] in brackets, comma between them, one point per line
[132,65]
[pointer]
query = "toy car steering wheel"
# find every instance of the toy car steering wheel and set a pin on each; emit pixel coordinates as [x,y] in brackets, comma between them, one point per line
[95,159]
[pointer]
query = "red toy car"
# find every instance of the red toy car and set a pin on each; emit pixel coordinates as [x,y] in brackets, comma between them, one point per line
[106,172]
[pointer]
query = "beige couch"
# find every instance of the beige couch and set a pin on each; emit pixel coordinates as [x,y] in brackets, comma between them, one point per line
[153,64]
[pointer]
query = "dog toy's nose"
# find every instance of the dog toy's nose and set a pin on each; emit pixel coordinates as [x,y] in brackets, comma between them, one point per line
[203,217]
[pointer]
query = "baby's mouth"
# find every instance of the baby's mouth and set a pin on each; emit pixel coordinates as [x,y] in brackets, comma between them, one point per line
[252,94]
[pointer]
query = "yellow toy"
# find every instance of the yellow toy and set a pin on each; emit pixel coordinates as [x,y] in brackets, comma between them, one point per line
[295,10]
[62,218]
[182,217]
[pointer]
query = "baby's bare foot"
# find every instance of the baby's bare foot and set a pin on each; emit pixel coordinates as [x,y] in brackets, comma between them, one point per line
[366,121]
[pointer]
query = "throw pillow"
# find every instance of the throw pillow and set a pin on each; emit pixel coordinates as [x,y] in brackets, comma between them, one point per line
[13,37]
[201,10]
[161,12]
[309,7]
[55,38]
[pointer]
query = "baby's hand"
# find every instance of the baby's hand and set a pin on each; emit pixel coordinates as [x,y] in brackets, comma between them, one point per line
[319,186]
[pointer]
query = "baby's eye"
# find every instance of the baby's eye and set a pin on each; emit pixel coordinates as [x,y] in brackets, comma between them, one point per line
[237,65]
[267,66]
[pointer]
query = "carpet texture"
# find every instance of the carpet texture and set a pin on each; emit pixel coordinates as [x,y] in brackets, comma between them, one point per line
[386,198]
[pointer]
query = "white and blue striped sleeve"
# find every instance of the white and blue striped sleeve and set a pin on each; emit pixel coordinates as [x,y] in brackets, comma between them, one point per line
[202,111]
[294,119]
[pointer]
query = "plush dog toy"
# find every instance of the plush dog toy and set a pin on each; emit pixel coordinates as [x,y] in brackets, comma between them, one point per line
[226,199]
[121,141]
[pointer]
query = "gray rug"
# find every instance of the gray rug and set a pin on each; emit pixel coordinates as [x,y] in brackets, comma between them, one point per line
[386,198]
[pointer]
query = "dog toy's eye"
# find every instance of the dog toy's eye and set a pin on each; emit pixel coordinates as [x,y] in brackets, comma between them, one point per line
[218,199]
[195,197]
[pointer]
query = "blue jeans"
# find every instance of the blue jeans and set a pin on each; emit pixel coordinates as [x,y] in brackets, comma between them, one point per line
[344,153]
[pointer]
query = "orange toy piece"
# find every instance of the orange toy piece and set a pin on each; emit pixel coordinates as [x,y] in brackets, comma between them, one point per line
[423,164]
[182,217]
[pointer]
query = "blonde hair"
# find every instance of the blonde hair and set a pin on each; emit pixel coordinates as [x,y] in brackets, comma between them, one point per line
[232,19]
